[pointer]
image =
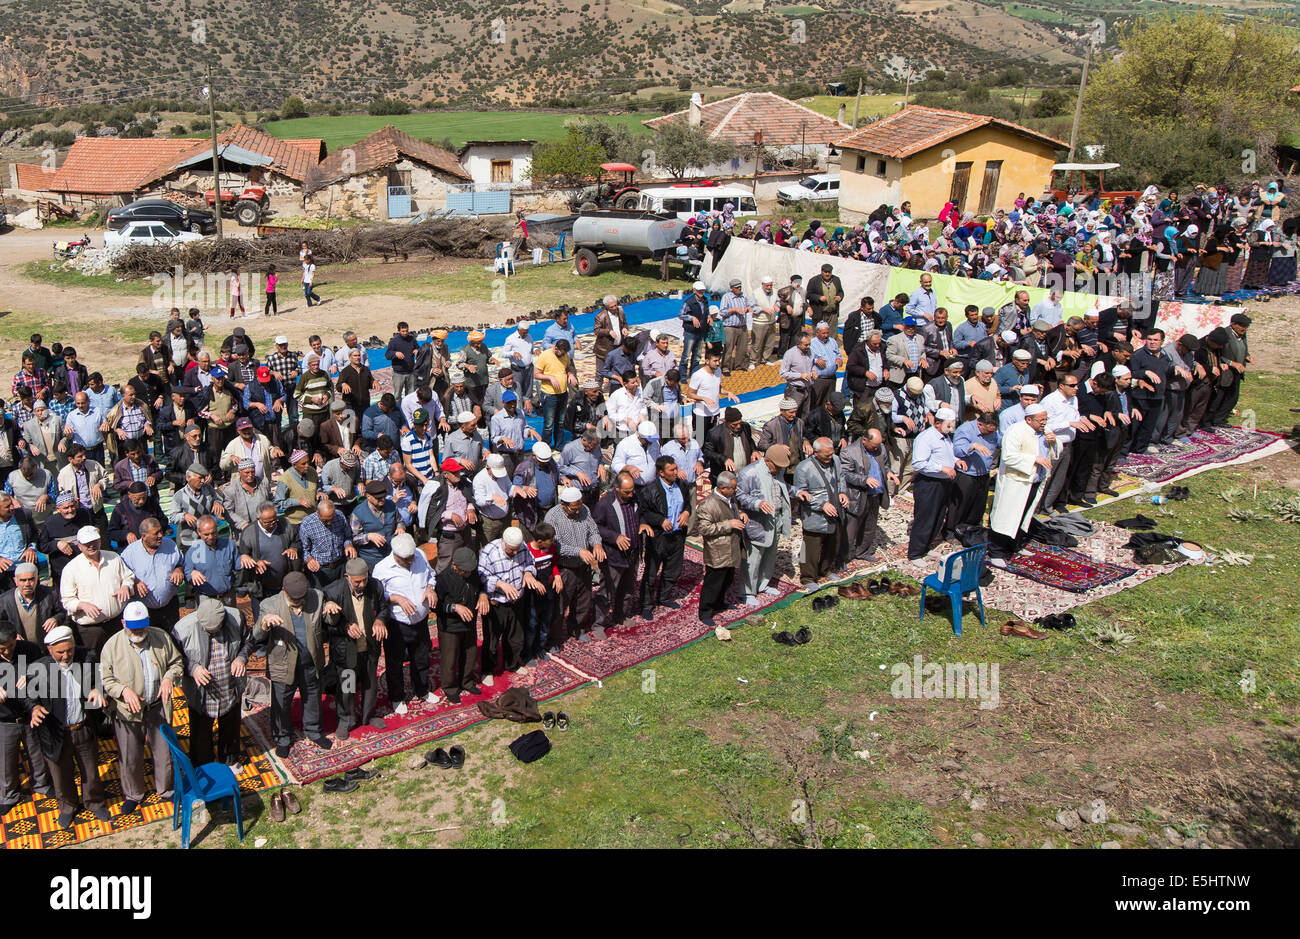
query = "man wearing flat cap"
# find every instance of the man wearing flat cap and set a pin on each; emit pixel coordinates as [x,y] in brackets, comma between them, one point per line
[61,713]
[1232,363]
[340,479]
[215,647]
[340,432]
[461,601]
[1184,370]
[290,632]
[825,293]
[190,503]
[375,523]
[762,495]
[32,608]
[356,615]
[140,665]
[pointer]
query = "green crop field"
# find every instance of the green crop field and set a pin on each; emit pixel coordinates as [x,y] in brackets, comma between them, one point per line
[460,126]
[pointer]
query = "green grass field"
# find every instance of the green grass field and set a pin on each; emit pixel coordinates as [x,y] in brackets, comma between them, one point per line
[460,126]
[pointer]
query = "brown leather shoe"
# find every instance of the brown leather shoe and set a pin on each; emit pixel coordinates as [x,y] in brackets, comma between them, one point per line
[850,591]
[291,802]
[277,807]
[1022,630]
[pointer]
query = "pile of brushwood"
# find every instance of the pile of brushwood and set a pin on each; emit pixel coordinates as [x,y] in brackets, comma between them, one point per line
[451,237]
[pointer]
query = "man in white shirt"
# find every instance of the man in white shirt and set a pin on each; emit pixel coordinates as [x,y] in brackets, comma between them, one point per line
[518,350]
[328,365]
[704,394]
[637,454]
[767,304]
[94,588]
[1051,310]
[492,492]
[408,584]
[625,406]
[1064,421]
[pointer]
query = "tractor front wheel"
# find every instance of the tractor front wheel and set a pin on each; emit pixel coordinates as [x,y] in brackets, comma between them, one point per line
[248,212]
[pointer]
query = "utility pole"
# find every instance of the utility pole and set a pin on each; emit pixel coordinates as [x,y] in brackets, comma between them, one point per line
[216,166]
[907,91]
[1020,115]
[758,155]
[857,102]
[1078,105]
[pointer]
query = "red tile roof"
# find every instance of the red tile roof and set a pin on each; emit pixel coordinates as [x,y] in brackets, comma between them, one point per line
[782,121]
[33,177]
[915,128]
[382,148]
[291,158]
[113,166]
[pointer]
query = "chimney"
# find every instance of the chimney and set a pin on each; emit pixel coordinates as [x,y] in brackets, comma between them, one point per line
[840,117]
[696,101]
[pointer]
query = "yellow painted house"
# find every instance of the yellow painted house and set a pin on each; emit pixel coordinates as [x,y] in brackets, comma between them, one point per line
[929,156]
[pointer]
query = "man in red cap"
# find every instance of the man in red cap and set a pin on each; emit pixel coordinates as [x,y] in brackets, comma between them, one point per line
[446,513]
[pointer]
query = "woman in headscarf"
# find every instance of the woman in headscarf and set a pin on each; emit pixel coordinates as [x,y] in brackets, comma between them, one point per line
[784,235]
[1282,267]
[1233,245]
[1270,200]
[1212,280]
[949,214]
[1085,269]
[719,238]
[1185,268]
[1165,257]
[764,232]
[1261,255]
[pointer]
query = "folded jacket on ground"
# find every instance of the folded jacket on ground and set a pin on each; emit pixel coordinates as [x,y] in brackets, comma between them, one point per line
[516,704]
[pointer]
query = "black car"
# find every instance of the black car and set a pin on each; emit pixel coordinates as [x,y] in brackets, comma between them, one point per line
[161,210]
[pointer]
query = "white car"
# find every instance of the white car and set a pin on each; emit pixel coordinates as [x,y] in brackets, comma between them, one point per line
[147,233]
[819,187]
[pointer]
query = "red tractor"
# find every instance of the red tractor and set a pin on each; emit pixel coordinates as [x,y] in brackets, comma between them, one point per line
[615,191]
[247,207]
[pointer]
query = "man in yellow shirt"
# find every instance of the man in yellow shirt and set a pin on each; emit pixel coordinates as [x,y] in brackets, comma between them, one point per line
[551,371]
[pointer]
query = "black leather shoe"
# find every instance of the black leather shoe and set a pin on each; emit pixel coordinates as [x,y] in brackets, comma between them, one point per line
[340,784]
[101,813]
[358,773]
[438,758]
[785,638]
[282,750]
[67,818]
[457,755]
[453,697]
[472,689]
[803,636]
[322,741]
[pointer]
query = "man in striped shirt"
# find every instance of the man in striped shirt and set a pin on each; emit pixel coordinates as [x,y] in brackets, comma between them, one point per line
[313,393]
[507,569]
[419,449]
[378,460]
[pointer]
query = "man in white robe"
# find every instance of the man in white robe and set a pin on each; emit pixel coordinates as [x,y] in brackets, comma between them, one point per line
[1028,450]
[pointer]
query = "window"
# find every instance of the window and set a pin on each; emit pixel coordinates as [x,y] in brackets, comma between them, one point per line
[677,205]
[881,168]
[832,184]
[747,204]
[862,164]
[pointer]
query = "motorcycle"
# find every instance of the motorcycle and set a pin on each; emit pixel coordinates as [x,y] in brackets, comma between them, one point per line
[70,249]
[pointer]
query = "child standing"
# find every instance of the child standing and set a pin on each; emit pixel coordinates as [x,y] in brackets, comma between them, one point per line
[271,280]
[541,606]
[236,294]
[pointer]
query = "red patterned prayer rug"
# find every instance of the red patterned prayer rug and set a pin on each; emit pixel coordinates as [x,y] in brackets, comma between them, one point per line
[1065,568]
[421,724]
[33,823]
[1208,448]
[638,641]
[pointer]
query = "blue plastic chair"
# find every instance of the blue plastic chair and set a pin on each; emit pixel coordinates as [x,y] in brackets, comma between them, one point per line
[190,784]
[961,575]
[550,252]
